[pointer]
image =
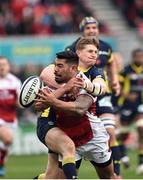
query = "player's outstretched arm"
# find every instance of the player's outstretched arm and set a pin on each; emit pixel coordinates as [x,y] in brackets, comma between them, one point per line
[65,88]
[78,107]
[96,87]
[113,74]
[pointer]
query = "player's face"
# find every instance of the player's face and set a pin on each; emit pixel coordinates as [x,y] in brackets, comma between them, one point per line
[91,30]
[88,55]
[138,58]
[4,67]
[62,71]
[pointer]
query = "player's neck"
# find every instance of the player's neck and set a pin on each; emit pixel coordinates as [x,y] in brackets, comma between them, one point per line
[83,67]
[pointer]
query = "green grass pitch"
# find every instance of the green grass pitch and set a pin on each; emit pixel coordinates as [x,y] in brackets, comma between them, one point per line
[26,167]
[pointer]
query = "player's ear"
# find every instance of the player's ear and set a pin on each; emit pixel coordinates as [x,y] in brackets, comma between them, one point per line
[77,52]
[75,67]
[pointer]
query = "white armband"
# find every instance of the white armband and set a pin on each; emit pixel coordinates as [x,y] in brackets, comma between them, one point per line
[88,85]
[93,88]
[97,89]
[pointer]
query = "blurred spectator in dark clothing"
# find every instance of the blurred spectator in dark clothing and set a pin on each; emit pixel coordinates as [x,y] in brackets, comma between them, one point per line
[25,26]
[132,9]
[26,17]
[133,12]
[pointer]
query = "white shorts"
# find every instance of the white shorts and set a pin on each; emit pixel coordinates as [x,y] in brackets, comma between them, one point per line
[11,125]
[97,149]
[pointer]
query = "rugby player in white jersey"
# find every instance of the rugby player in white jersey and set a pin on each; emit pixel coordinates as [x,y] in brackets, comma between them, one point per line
[9,89]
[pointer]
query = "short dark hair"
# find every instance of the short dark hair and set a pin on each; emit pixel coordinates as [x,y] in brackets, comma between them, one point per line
[138,50]
[69,56]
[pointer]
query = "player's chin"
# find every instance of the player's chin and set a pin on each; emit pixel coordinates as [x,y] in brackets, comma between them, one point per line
[91,62]
[58,80]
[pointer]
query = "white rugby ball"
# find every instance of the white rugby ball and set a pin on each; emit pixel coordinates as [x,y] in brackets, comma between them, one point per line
[29,89]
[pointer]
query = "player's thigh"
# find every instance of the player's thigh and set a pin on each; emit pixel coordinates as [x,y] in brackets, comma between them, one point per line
[44,124]
[58,141]
[6,135]
[111,132]
[106,172]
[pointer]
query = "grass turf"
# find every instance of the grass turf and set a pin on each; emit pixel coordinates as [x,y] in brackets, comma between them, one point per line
[26,167]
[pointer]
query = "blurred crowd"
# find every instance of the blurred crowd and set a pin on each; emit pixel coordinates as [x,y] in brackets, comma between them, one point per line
[25,17]
[26,70]
[133,12]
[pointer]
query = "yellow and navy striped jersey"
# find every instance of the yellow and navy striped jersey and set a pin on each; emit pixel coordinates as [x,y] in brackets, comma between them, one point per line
[133,80]
[105,56]
[92,72]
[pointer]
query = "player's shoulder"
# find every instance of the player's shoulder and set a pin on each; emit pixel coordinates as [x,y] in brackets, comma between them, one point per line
[76,41]
[92,69]
[104,44]
[95,72]
[96,69]
[13,77]
[127,70]
[14,80]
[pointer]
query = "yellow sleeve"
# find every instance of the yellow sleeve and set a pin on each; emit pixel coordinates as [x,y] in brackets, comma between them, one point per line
[45,113]
[111,55]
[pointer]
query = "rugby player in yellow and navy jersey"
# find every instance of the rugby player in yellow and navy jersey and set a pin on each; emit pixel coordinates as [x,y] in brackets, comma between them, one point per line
[85,51]
[105,61]
[132,97]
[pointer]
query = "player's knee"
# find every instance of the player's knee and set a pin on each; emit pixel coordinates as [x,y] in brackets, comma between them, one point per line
[112,135]
[8,140]
[6,136]
[70,147]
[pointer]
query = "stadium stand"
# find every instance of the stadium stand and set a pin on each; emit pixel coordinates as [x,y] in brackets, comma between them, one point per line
[113,16]
[133,12]
[22,17]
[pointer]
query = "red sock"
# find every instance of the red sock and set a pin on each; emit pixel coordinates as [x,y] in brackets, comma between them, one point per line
[3,154]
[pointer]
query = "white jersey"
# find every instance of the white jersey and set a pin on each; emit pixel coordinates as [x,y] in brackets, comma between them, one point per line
[9,91]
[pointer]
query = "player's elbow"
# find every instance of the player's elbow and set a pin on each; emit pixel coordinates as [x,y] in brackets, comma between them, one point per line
[81,111]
